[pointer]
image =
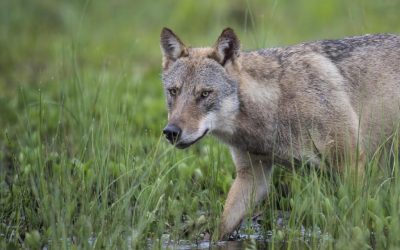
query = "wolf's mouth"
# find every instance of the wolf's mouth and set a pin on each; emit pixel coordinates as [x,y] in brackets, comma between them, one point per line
[182,145]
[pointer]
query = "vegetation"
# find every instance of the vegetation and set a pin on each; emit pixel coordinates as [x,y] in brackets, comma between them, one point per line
[83,163]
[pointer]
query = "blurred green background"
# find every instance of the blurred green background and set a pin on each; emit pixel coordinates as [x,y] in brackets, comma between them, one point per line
[37,37]
[82,108]
[121,38]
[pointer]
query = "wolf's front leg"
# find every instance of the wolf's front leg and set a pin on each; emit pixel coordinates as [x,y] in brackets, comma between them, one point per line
[250,187]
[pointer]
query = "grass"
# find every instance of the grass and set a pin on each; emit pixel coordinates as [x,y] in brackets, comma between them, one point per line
[82,159]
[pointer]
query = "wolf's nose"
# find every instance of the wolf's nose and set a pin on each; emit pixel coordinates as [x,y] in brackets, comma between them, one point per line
[172,133]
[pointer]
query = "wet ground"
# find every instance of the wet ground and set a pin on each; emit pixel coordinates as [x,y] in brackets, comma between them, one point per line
[224,245]
[240,239]
[256,239]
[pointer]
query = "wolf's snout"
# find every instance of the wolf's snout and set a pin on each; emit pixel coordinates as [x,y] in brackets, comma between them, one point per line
[172,133]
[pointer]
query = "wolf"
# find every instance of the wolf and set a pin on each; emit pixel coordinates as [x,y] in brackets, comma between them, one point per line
[326,103]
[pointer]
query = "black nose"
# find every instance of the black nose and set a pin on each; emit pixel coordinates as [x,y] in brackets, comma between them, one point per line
[172,133]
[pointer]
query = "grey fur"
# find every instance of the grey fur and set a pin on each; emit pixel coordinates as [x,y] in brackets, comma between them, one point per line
[331,99]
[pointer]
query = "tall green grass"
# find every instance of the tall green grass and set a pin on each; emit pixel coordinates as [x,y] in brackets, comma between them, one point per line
[83,162]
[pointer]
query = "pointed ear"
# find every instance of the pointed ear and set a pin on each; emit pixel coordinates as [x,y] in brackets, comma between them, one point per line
[171,47]
[227,46]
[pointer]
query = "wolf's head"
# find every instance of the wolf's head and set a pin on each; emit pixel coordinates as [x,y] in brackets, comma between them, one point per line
[201,96]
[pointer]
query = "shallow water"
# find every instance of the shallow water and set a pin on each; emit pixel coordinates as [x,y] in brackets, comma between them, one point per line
[222,245]
[255,240]
[239,240]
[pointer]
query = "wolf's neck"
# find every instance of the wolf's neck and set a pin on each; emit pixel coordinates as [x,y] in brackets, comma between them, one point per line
[252,129]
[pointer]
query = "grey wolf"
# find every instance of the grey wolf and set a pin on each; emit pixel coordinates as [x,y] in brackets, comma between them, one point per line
[328,100]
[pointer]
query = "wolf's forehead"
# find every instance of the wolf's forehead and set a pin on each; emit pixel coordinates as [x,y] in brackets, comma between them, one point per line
[193,70]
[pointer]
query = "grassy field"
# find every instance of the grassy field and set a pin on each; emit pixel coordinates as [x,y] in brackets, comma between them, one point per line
[83,163]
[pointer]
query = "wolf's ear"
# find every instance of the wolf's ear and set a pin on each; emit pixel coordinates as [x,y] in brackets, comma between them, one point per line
[227,46]
[171,47]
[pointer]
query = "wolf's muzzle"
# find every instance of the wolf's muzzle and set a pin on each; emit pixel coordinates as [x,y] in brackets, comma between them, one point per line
[172,133]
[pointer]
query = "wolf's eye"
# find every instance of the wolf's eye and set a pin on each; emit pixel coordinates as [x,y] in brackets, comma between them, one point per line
[172,92]
[206,93]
